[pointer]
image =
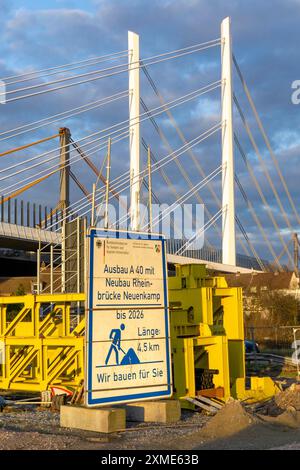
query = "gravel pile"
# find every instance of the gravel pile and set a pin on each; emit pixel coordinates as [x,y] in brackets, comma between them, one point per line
[10,440]
[36,428]
[18,419]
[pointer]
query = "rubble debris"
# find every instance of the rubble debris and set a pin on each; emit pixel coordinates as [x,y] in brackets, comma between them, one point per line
[290,397]
[285,401]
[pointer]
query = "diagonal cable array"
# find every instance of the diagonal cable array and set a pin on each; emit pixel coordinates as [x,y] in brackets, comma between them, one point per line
[45,164]
[263,198]
[197,164]
[142,117]
[266,139]
[95,104]
[121,183]
[266,173]
[200,232]
[103,72]
[186,196]
[64,67]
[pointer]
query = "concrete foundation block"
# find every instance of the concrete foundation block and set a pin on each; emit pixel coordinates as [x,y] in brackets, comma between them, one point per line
[105,420]
[160,411]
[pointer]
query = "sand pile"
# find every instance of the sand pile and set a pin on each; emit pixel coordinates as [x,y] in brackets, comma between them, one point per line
[231,419]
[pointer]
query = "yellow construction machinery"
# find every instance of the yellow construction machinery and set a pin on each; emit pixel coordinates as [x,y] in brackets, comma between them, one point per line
[42,338]
[207,338]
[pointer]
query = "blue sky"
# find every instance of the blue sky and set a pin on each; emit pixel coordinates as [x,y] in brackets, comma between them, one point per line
[34,35]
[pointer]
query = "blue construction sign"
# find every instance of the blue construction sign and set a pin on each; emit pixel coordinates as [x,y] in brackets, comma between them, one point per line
[127,335]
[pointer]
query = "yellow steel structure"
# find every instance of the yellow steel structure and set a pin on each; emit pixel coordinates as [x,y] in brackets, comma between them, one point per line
[207,334]
[42,340]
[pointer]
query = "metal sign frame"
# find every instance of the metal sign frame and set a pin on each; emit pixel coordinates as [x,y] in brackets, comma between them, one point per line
[167,392]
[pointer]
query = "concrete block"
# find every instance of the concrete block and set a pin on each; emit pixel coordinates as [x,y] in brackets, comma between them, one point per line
[160,411]
[104,420]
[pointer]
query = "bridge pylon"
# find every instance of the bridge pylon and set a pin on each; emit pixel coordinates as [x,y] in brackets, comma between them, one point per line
[64,183]
[228,203]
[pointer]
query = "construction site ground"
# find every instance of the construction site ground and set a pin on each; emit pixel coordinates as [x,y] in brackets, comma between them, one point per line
[273,424]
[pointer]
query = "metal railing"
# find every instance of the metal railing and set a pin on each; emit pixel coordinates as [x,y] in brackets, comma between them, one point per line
[29,214]
[213,255]
[61,266]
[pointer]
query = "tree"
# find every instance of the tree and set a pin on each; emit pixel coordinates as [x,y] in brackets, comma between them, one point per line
[283,309]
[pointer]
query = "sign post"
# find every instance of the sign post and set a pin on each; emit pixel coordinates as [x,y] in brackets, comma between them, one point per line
[127,336]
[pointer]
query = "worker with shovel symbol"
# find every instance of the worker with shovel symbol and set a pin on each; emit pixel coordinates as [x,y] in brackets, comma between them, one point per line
[115,337]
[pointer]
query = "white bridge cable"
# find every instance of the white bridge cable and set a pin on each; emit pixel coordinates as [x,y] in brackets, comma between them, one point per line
[169,147]
[65,79]
[194,159]
[202,173]
[48,170]
[99,144]
[254,252]
[201,184]
[152,62]
[87,205]
[123,185]
[123,179]
[57,167]
[266,139]
[72,160]
[63,115]
[162,172]
[167,180]
[57,67]
[145,116]
[262,163]
[207,226]
[257,221]
[199,232]
[260,192]
[247,239]
[88,63]
[158,110]
[104,58]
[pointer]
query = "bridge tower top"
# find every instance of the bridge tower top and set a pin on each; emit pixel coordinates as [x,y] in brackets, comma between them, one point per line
[64,185]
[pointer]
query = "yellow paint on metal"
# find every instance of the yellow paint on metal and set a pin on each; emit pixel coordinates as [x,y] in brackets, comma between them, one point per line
[43,341]
[17,149]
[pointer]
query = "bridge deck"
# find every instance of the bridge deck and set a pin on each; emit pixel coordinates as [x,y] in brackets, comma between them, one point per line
[19,237]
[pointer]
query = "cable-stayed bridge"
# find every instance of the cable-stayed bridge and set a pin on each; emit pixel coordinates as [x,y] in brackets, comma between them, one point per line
[172,171]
